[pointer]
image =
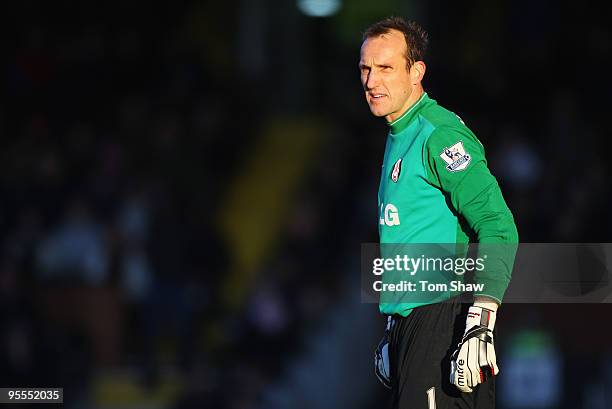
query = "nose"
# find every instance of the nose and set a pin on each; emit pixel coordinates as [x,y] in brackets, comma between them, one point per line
[371,80]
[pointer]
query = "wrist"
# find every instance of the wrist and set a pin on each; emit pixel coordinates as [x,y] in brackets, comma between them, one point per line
[486,302]
[480,316]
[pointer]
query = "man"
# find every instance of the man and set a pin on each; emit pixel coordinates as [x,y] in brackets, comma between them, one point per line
[435,188]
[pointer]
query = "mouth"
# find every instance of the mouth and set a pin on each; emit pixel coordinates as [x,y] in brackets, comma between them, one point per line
[375,97]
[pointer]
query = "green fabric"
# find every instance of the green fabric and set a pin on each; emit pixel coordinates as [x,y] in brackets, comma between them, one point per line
[436,196]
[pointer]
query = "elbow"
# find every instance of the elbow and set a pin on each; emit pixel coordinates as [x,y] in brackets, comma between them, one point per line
[498,228]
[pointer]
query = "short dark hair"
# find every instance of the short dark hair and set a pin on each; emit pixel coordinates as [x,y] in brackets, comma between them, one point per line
[416,37]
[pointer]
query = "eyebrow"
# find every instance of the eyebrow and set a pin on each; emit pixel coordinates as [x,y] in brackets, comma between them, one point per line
[364,65]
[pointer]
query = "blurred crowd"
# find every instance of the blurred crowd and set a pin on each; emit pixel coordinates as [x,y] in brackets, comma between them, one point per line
[124,128]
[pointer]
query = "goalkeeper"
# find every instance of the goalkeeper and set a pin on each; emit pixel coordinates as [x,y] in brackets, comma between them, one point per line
[435,188]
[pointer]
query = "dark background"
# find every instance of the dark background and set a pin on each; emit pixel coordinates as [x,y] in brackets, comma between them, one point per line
[184,187]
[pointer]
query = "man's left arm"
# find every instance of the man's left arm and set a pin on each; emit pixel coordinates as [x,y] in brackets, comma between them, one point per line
[456,164]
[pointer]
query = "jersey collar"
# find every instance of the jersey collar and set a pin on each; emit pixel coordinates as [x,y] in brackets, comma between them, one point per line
[403,121]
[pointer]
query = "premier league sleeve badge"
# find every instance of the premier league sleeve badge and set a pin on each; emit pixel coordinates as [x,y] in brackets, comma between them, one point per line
[456,157]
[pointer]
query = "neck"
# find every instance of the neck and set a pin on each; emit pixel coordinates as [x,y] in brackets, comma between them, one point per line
[416,94]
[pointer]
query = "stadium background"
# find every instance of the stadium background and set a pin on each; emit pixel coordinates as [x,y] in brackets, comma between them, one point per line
[185,186]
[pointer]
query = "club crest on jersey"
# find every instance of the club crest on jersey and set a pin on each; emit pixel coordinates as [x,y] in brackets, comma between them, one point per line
[397,168]
[456,157]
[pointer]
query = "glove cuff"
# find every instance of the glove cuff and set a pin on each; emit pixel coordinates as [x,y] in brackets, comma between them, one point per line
[479,316]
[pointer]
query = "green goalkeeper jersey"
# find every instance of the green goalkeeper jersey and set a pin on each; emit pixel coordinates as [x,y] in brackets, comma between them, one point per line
[436,187]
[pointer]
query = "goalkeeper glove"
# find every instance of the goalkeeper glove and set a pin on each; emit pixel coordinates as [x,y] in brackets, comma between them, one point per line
[473,361]
[382,366]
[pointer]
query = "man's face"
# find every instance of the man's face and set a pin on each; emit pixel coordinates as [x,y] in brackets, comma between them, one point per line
[385,75]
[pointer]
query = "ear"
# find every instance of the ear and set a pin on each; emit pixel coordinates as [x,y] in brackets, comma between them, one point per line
[417,72]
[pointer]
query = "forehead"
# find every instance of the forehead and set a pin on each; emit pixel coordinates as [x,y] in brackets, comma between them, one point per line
[386,46]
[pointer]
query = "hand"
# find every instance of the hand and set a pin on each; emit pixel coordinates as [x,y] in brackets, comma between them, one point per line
[474,360]
[382,366]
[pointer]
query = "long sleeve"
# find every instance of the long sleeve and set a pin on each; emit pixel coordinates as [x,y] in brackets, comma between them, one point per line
[455,163]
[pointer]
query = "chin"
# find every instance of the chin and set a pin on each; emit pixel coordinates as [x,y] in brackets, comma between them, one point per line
[378,112]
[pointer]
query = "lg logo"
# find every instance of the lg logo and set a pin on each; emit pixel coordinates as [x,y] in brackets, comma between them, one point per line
[389,215]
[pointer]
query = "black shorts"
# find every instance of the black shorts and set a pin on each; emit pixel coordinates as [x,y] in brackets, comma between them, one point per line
[420,346]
